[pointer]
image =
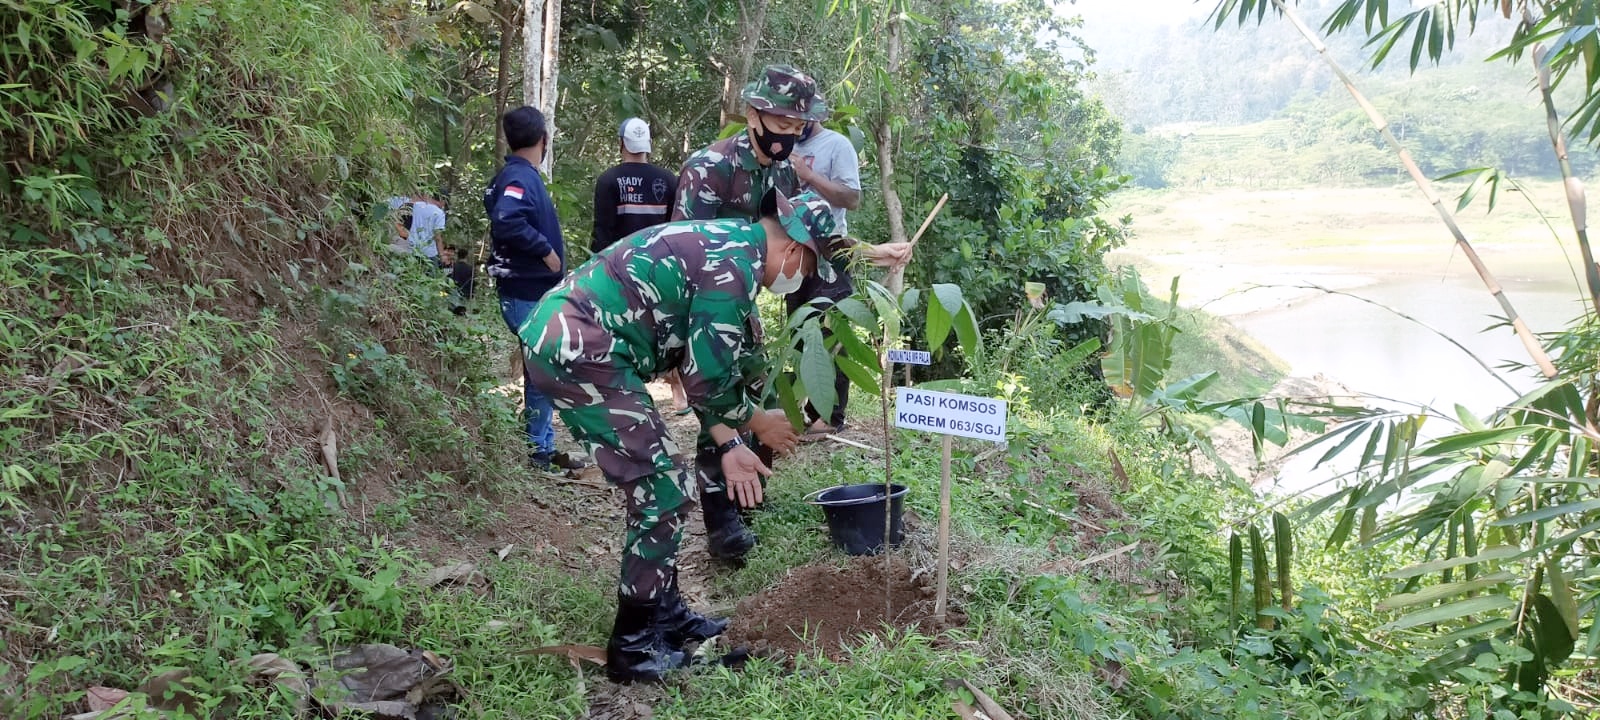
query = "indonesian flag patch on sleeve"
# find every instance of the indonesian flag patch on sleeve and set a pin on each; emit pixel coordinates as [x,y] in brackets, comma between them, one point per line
[513,191]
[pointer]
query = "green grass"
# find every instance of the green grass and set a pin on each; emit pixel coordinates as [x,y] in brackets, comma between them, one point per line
[1207,343]
[487,637]
[898,679]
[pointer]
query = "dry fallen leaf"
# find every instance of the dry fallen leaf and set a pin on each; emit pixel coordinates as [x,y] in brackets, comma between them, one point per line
[462,573]
[1117,470]
[505,552]
[102,699]
[1112,673]
[986,703]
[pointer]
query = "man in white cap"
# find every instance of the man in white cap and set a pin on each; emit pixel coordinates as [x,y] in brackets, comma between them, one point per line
[634,195]
[631,197]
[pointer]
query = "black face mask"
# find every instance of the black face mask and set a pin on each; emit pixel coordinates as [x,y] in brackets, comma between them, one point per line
[766,139]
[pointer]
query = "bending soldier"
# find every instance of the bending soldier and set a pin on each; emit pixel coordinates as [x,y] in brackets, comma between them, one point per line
[679,297]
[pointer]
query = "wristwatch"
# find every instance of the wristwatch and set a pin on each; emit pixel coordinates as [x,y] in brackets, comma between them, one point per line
[728,446]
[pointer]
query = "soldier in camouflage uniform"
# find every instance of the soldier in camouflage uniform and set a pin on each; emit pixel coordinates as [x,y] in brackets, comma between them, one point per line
[679,296]
[726,180]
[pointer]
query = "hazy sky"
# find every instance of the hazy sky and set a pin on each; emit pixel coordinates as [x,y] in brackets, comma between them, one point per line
[1109,23]
[1142,12]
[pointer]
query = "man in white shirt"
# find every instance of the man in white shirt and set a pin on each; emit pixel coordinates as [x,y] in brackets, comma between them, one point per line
[826,162]
[427,224]
[400,221]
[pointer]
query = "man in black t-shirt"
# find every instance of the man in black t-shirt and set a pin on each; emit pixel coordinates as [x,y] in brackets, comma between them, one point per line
[634,195]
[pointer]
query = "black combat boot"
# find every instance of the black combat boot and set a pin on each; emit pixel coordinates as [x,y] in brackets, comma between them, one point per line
[727,538]
[636,651]
[679,624]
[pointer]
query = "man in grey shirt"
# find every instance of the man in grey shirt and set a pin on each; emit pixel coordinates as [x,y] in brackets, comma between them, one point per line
[825,161]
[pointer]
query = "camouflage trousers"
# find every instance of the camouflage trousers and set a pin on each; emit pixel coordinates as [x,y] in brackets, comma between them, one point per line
[608,409]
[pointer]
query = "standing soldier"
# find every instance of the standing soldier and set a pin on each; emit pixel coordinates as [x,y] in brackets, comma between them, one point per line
[727,179]
[826,163]
[677,296]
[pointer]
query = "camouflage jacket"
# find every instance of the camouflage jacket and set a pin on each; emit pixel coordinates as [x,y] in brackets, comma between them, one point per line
[679,296]
[724,180]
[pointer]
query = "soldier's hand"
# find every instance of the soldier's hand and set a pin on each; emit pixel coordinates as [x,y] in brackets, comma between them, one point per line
[743,471]
[772,428]
[553,261]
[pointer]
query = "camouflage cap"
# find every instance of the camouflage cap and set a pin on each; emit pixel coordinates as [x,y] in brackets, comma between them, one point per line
[808,219]
[784,90]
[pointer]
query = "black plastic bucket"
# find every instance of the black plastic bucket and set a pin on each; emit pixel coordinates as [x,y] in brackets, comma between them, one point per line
[855,516]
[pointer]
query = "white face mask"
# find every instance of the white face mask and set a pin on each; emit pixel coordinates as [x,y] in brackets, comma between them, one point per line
[786,284]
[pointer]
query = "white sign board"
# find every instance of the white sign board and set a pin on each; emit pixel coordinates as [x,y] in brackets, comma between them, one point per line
[950,414]
[911,357]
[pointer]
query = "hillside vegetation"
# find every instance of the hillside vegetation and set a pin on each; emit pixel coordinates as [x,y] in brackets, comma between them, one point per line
[242,444]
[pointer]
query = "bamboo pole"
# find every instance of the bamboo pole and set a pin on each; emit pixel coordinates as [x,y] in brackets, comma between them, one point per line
[896,279]
[1576,201]
[1529,342]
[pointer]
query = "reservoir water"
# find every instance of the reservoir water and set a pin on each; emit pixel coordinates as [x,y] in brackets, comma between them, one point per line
[1248,256]
[1379,353]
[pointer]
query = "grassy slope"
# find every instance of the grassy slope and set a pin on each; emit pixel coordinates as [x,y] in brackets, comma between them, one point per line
[178,352]
[164,506]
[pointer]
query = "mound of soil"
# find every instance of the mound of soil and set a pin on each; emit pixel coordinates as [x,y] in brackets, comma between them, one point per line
[827,608]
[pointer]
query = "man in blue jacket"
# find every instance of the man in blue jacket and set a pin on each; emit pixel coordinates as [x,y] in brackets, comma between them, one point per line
[527,259]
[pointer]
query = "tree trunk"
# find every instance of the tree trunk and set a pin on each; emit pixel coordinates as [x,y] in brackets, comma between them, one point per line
[533,53]
[550,64]
[502,80]
[754,22]
[884,132]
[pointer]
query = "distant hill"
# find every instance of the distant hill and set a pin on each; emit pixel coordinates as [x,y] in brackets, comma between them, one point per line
[1255,107]
[1156,70]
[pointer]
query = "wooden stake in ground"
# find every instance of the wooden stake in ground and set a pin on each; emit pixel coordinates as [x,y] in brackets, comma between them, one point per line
[888,479]
[944,530]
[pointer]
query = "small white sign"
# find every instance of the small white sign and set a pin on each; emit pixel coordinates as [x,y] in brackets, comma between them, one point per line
[911,357]
[950,414]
